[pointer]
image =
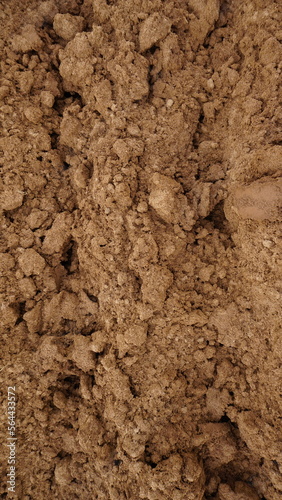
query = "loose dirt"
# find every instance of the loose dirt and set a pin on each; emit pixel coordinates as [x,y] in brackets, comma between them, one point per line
[141,248]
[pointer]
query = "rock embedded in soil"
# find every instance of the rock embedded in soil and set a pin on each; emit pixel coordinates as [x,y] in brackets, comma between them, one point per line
[261,200]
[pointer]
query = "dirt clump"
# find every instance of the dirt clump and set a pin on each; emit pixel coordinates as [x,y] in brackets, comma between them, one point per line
[140,248]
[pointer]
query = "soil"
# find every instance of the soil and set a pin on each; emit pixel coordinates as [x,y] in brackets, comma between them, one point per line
[140,201]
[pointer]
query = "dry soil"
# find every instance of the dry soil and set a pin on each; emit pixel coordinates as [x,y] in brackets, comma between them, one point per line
[141,248]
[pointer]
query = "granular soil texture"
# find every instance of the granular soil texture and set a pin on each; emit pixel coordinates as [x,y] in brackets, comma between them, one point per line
[140,248]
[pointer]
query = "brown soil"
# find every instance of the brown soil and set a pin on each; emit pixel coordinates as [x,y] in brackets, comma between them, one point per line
[140,252]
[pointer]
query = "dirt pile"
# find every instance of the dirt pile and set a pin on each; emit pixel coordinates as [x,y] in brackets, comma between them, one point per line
[140,222]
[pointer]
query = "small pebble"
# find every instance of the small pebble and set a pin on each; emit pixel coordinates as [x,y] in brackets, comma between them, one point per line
[268,243]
